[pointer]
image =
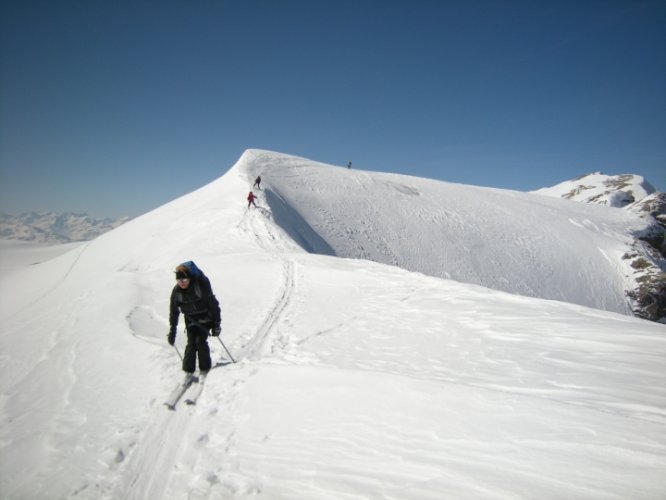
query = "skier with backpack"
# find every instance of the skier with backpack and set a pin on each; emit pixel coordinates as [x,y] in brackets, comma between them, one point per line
[194,297]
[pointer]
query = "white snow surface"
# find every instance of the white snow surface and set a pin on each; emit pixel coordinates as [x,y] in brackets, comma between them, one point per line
[353,379]
[506,240]
[15,255]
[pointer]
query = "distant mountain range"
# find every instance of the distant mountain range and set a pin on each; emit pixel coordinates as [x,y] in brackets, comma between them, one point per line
[52,227]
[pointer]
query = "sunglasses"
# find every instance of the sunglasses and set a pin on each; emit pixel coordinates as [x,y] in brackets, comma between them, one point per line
[182,280]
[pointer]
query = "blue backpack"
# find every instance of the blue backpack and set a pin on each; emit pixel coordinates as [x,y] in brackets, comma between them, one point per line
[198,276]
[194,269]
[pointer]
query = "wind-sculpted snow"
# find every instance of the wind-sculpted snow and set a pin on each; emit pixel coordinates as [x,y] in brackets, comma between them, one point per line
[516,242]
[353,379]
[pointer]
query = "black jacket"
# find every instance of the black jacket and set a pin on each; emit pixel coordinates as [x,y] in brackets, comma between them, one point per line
[197,302]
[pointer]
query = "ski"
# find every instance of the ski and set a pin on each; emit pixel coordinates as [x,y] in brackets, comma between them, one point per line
[178,391]
[196,392]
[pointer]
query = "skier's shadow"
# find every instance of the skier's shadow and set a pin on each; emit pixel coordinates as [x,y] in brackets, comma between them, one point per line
[265,211]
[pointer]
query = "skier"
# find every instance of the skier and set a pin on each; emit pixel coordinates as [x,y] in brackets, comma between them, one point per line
[194,297]
[257,182]
[349,165]
[250,200]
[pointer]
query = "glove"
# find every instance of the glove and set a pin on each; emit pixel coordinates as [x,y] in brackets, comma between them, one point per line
[216,330]
[171,337]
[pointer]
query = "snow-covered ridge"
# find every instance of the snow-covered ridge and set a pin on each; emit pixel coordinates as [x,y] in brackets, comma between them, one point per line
[521,243]
[49,227]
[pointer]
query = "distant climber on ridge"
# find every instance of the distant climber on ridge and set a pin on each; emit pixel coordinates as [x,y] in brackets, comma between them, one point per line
[250,200]
[257,182]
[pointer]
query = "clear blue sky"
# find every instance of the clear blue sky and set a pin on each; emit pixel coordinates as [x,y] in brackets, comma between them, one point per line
[115,107]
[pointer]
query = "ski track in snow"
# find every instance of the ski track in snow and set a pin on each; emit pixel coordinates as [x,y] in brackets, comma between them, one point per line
[255,226]
[153,459]
[160,449]
[262,342]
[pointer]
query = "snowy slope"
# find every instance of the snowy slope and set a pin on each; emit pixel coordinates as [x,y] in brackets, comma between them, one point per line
[516,242]
[16,255]
[353,379]
[646,287]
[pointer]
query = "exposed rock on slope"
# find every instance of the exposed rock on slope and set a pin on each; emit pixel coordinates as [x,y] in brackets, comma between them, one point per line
[647,259]
[612,190]
[649,297]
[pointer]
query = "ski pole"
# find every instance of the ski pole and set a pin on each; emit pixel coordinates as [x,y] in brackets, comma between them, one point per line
[225,348]
[218,338]
[179,355]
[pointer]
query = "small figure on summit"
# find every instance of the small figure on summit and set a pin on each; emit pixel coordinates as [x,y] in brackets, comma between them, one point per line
[250,200]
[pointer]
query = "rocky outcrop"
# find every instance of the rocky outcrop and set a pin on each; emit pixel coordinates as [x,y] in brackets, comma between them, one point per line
[649,260]
[646,261]
[601,189]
